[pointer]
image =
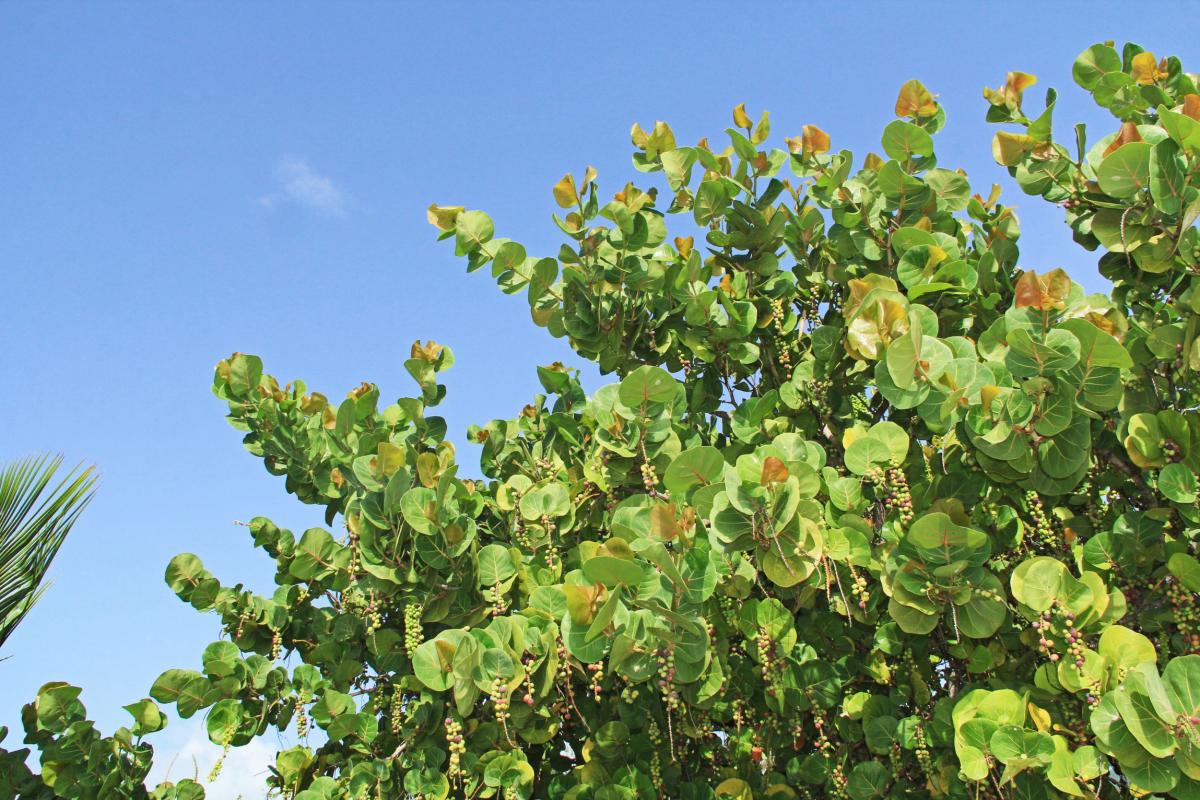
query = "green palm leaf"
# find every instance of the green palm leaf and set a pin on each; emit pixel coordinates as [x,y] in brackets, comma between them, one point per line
[34,521]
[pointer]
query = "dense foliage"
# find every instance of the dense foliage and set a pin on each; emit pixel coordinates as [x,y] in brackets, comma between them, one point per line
[870,510]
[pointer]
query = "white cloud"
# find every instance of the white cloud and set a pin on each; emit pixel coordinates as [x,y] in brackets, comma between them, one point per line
[243,775]
[301,185]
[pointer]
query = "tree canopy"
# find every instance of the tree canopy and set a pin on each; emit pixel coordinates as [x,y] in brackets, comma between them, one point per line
[874,507]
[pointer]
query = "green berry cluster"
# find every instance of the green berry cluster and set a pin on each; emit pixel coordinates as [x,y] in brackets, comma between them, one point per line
[396,710]
[1185,615]
[922,751]
[226,739]
[496,598]
[769,662]
[243,618]
[649,475]
[656,740]
[1043,529]
[666,678]
[818,396]
[892,483]
[413,635]
[858,588]
[778,317]
[372,616]
[301,716]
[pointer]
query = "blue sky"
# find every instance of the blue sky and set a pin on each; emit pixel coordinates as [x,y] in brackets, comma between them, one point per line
[178,182]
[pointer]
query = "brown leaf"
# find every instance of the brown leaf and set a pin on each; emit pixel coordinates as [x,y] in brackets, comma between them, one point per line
[773,471]
[1128,133]
[663,522]
[814,140]
[1191,106]
[1043,292]
[1009,95]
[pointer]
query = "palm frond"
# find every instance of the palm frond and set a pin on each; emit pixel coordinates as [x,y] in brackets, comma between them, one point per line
[35,518]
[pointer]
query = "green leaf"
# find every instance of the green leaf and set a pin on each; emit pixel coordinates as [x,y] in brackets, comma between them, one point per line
[865,453]
[495,565]
[647,385]
[1177,483]
[868,779]
[1126,648]
[1126,171]
[699,466]
[472,230]
[1093,64]
[1011,744]
[1168,178]
[904,140]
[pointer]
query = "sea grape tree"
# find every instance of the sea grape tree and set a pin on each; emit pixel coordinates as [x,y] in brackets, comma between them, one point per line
[875,506]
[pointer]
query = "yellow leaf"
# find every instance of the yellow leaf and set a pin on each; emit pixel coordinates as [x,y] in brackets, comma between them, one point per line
[589,175]
[1040,717]
[443,217]
[662,138]
[1009,148]
[873,162]
[445,653]
[987,394]
[389,458]
[773,471]
[740,117]
[915,101]
[794,144]
[815,140]
[312,403]
[684,245]
[1146,69]
[565,193]
[851,435]
[734,789]
[427,352]
[640,137]
[762,130]
[428,470]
